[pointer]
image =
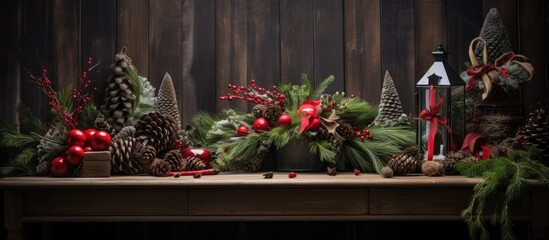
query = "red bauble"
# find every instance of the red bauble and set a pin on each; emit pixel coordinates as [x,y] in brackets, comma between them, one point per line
[59,168]
[74,155]
[315,125]
[101,141]
[200,153]
[310,107]
[88,149]
[76,137]
[261,124]
[285,120]
[89,133]
[242,130]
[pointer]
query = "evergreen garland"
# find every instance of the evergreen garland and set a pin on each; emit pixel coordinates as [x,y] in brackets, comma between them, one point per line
[503,176]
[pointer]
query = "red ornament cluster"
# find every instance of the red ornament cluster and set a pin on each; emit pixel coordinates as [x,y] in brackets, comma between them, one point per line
[79,142]
[256,95]
[364,134]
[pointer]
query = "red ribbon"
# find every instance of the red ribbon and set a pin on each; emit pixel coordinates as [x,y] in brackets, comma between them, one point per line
[478,70]
[475,143]
[308,110]
[434,119]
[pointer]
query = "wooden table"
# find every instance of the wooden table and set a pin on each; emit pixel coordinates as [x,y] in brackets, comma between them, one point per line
[250,197]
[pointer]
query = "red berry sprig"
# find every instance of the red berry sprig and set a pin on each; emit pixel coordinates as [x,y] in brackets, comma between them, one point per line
[256,95]
[518,139]
[364,134]
[79,96]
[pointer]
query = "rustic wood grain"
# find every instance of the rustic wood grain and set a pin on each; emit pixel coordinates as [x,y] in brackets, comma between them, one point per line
[231,33]
[267,202]
[430,30]
[363,49]
[203,65]
[10,60]
[264,42]
[106,202]
[166,44]
[296,40]
[66,42]
[132,31]
[98,41]
[188,89]
[397,48]
[532,45]
[328,43]
[35,53]
[463,23]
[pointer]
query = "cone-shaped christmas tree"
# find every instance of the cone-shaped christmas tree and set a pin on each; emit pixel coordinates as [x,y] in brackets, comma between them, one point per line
[390,107]
[494,33]
[119,94]
[167,100]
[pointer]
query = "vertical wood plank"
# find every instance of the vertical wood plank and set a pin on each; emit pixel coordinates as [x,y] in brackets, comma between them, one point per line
[98,41]
[532,45]
[66,42]
[328,43]
[231,48]
[187,88]
[264,42]
[36,50]
[463,23]
[508,10]
[10,59]
[430,29]
[296,40]
[203,65]
[132,31]
[165,43]
[363,49]
[397,48]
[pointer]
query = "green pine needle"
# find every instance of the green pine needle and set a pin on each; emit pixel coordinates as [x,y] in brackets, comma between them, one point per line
[15,139]
[87,117]
[401,136]
[29,120]
[323,149]
[322,87]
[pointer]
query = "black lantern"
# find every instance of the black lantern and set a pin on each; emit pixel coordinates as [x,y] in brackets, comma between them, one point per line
[441,108]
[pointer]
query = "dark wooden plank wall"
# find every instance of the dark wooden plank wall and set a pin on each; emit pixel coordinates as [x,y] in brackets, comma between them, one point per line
[206,45]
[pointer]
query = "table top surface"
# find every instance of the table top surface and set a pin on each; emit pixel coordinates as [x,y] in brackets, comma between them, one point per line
[246,180]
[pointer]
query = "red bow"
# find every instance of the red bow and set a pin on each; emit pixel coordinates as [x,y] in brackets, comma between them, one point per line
[485,72]
[308,110]
[475,143]
[434,119]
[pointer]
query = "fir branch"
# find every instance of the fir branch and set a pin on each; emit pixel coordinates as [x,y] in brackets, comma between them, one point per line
[137,86]
[280,136]
[349,154]
[13,138]
[401,136]
[323,149]
[87,117]
[23,164]
[29,120]
[357,112]
[322,87]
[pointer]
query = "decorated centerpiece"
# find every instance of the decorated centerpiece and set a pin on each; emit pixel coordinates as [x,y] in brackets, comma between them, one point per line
[304,129]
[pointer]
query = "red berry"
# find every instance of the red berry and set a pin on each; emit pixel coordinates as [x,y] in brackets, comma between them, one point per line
[89,133]
[292,175]
[101,141]
[394,156]
[516,142]
[356,172]
[59,168]
[76,137]
[88,149]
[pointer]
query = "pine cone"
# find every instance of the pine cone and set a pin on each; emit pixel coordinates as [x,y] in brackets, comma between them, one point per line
[451,159]
[167,101]
[254,163]
[119,94]
[123,160]
[335,143]
[403,165]
[272,113]
[124,133]
[258,110]
[471,159]
[494,33]
[331,170]
[345,131]
[171,161]
[102,124]
[536,131]
[412,152]
[194,163]
[156,130]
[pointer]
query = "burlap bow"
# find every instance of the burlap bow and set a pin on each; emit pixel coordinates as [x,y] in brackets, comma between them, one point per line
[490,72]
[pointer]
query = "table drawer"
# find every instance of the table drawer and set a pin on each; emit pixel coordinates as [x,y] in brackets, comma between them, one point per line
[104,202]
[280,202]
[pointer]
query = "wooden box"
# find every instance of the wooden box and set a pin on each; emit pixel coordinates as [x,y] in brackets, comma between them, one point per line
[96,164]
